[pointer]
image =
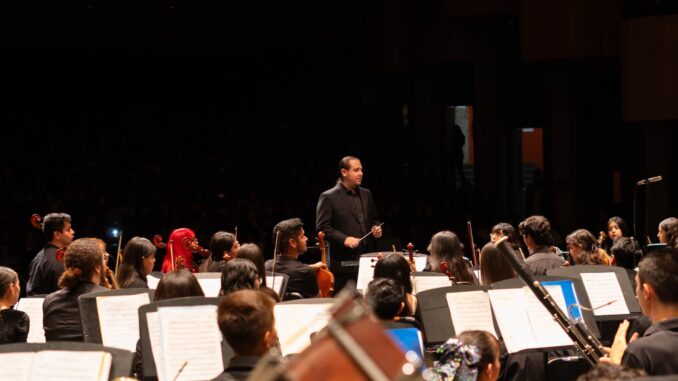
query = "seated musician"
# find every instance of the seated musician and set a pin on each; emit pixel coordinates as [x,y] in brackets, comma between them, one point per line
[385,298]
[472,356]
[239,274]
[395,266]
[536,232]
[657,294]
[247,322]
[584,249]
[14,324]
[493,266]
[447,257]
[292,244]
[137,262]
[224,247]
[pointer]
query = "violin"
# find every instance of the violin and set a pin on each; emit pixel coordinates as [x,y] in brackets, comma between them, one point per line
[158,242]
[192,245]
[324,275]
[36,221]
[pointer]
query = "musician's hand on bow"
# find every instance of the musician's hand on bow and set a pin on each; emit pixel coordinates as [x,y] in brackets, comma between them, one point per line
[352,242]
[376,231]
[318,265]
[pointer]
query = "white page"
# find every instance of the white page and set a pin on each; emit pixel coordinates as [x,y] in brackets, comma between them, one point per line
[470,310]
[546,330]
[210,286]
[420,261]
[33,308]
[296,322]
[557,295]
[152,282]
[16,366]
[509,310]
[153,321]
[425,283]
[119,319]
[197,345]
[365,272]
[277,287]
[71,366]
[603,288]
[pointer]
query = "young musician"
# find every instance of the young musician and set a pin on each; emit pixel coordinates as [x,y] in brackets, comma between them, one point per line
[447,257]
[493,266]
[45,269]
[385,298]
[138,260]
[395,266]
[584,249]
[239,274]
[224,247]
[668,232]
[14,324]
[471,356]
[536,232]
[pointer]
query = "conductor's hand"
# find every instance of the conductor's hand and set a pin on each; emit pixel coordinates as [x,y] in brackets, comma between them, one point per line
[376,231]
[317,266]
[351,242]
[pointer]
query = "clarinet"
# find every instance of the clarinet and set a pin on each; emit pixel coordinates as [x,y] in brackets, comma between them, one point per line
[582,337]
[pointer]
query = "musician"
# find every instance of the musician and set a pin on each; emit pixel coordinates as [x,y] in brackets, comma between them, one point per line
[616,227]
[447,257]
[182,255]
[657,294]
[385,298]
[239,274]
[504,229]
[536,232]
[61,314]
[395,266]
[292,244]
[584,249]
[224,247]
[14,324]
[668,232]
[45,268]
[345,214]
[138,260]
[247,323]
[473,356]
[493,267]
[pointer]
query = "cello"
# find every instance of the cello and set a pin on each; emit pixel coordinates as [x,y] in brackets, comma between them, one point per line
[324,275]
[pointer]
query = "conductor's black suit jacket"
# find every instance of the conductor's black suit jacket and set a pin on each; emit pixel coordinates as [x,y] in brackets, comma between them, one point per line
[336,218]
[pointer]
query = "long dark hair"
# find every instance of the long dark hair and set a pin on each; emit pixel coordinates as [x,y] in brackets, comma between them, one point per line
[493,266]
[446,247]
[178,284]
[252,252]
[396,267]
[132,265]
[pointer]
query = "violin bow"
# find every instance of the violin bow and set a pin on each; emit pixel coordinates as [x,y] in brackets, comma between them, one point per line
[171,249]
[275,258]
[117,257]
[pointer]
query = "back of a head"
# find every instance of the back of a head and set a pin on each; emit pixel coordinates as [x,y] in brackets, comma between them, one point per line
[244,317]
[7,278]
[445,246]
[626,251]
[611,372]
[384,297]
[177,284]
[659,269]
[493,266]
[487,345]
[252,252]
[472,355]
[54,222]
[537,227]
[220,242]
[670,226]
[81,259]
[287,229]
[396,267]
[136,250]
[239,274]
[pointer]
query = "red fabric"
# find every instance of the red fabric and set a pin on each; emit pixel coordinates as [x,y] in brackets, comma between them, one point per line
[176,239]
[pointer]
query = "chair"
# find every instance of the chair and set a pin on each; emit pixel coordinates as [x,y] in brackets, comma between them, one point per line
[121,365]
[280,287]
[150,371]
[566,368]
[89,314]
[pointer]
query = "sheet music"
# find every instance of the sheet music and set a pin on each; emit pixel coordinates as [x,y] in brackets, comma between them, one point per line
[425,283]
[16,366]
[152,282]
[603,288]
[33,308]
[153,321]
[509,310]
[546,330]
[277,287]
[119,319]
[296,322]
[420,261]
[470,310]
[71,366]
[199,343]
[557,295]
[366,269]
[210,286]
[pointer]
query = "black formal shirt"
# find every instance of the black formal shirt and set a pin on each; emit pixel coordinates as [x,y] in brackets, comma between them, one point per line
[44,273]
[61,313]
[135,282]
[656,352]
[543,259]
[238,369]
[302,277]
[14,326]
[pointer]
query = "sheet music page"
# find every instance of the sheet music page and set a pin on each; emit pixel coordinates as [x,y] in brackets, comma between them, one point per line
[510,312]
[71,366]
[470,310]
[191,335]
[16,366]
[119,319]
[557,295]
[153,321]
[547,331]
[425,283]
[296,322]
[152,282]
[420,261]
[210,286]
[277,287]
[33,308]
[603,288]
[365,273]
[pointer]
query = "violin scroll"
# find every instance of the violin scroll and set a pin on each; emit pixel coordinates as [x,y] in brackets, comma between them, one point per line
[36,221]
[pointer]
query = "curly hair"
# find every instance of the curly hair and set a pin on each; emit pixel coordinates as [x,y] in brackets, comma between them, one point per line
[81,259]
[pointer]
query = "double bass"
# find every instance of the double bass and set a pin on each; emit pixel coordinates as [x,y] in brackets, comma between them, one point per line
[324,275]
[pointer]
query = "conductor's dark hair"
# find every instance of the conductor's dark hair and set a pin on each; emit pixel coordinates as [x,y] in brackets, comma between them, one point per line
[221,241]
[396,267]
[538,228]
[626,251]
[178,284]
[289,229]
[384,297]
[244,317]
[659,269]
[238,274]
[345,162]
[54,222]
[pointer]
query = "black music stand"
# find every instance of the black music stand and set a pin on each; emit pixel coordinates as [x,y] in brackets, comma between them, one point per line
[283,286]
[434,314]
[89,314]
[121,365]
[150,371]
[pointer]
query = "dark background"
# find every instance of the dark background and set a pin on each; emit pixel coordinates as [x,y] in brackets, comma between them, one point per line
[267,96]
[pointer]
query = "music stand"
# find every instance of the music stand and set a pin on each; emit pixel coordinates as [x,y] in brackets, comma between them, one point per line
[121,365]
[89,313]
[207,282]
[150,371]
[283,284]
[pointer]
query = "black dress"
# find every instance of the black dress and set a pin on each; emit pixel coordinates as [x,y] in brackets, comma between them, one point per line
[14,326]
